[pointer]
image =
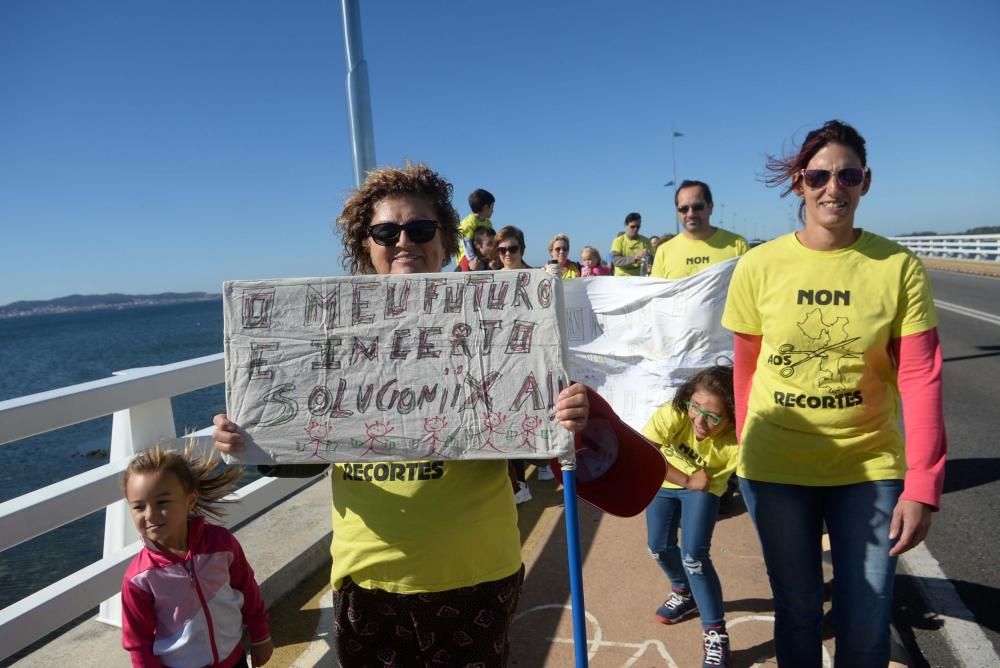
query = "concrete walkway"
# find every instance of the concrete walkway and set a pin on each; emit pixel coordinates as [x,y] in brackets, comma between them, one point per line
[622,584]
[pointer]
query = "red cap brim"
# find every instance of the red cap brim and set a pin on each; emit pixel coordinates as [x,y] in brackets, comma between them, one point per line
[618,469]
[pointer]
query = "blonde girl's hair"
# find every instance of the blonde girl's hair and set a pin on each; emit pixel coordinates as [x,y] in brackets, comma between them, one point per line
[206,475]
[592,251]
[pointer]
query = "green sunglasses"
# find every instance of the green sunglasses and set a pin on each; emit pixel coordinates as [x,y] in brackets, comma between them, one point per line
[711,418]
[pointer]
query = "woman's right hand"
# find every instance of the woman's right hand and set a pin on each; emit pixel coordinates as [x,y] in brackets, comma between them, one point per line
[698,481]
[226,435]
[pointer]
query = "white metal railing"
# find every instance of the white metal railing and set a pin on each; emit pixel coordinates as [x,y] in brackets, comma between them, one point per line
[139,400]
[982,247]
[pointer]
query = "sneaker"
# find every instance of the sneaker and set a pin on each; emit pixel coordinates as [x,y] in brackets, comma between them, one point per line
[523,493]
[716,647]
[676,608]
[545,473]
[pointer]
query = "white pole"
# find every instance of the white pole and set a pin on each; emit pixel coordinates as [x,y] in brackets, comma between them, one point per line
[359,104]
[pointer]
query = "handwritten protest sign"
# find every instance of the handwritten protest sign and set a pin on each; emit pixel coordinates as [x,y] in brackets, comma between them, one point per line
[435,366]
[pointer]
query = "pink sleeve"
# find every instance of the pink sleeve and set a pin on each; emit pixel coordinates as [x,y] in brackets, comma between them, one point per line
[138,625]
[241,578]
[746,349]
[919,378]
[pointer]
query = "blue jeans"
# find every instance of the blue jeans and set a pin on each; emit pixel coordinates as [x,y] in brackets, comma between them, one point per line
[696,513]
[789,521]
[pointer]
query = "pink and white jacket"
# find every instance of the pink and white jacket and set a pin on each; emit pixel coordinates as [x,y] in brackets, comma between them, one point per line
[190,611]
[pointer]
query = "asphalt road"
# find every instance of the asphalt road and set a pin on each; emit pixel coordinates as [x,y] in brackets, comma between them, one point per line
[965,535]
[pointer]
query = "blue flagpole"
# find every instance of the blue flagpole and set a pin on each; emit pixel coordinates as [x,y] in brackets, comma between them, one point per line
[575,564]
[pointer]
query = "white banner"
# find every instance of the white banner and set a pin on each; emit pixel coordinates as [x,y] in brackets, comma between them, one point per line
[635,340]
[377,368]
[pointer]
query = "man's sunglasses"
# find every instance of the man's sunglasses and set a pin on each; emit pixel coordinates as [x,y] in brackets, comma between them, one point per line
[697,206]
[634,226]
[417,231]
[503,250]
[849,177]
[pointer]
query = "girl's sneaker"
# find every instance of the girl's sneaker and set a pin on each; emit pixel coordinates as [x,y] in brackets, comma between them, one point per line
[545,473]
[677,608]
[716,647]
[523,493]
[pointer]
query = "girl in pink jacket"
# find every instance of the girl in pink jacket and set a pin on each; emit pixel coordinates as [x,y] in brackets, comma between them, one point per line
[188,594]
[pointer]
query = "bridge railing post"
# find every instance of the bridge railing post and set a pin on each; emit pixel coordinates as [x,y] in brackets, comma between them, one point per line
[132,430]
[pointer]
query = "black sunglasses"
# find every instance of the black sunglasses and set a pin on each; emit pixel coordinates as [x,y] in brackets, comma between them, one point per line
[417,231]
[504,250]
[697,206]
[848,177]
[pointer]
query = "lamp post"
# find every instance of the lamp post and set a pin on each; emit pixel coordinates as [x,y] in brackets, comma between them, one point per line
[673,159]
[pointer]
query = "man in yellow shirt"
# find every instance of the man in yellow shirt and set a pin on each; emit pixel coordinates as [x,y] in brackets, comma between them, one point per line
[700,244]
[630,249]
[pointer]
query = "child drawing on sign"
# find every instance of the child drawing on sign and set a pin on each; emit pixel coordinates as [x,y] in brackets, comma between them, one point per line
[318,430]
[166,621]
[376,432]
[434,426]
[494,425]
[529,427]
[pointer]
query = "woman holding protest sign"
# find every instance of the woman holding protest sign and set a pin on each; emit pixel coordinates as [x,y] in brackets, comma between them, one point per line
[404,549]
[827,350]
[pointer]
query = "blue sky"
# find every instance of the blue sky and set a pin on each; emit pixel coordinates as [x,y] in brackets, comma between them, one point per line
[159,146]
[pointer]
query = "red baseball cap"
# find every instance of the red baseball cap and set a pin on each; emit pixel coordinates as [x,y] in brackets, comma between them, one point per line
[617,469]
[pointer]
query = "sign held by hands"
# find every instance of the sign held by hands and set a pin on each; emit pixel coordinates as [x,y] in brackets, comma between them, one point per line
[399,367]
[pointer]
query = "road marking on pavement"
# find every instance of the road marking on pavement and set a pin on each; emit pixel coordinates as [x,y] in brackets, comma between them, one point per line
[971,312]
[320,651]
[597,642]
[962,633]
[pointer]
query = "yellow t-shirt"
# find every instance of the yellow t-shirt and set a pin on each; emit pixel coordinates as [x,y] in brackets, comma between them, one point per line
[680,256]
[571,270]
[411,527]
[629,247]
[672,431]
[824,405]
[467,230]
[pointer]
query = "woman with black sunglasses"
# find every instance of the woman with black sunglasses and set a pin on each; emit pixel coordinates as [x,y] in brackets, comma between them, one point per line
[509,248]
[835,329]
[444,536]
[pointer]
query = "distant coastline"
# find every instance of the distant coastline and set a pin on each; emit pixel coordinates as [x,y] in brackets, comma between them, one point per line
[113,301]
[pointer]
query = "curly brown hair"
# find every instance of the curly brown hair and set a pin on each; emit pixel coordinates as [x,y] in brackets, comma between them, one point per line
[205,475]
[419,180]
[717,380]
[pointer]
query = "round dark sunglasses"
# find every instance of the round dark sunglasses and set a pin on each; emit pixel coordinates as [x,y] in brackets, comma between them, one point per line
[697,206]
[417,231]
[849,177]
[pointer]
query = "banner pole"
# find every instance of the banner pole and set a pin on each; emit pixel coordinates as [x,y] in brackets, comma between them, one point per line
[575,564]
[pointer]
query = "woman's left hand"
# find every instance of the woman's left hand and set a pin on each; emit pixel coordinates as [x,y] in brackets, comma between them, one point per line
[573,407]
[911,520]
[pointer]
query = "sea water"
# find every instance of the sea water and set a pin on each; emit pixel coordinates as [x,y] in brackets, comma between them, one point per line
[46,352]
